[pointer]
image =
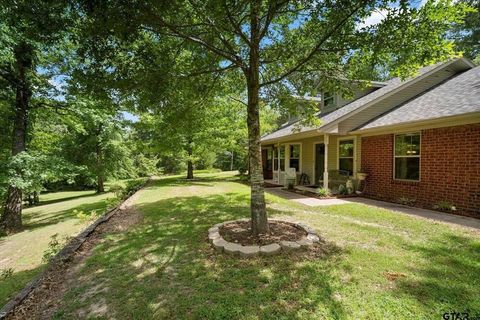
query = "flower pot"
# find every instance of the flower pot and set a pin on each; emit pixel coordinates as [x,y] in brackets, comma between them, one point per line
[362,176]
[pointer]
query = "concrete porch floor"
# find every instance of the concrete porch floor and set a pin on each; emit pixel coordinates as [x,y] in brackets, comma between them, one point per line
[419,212]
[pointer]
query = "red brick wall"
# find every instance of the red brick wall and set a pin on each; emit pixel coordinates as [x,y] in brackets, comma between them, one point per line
[450,169]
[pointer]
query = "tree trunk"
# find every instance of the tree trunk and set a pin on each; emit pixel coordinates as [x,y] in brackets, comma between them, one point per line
[100,184]
[100,166]
[257,204]
[190,162]
[231,162]
[11,219]
[36,198]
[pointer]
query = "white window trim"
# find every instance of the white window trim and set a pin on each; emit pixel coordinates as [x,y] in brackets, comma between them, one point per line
[354,138]
[418,156]
[287,156]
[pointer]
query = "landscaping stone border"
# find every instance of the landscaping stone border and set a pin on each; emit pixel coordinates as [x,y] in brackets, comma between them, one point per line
[63,256]
[231,248]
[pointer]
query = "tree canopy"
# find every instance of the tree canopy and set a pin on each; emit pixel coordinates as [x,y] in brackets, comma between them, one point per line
[205,78]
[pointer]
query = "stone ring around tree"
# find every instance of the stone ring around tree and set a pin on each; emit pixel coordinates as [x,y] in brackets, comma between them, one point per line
[234,238]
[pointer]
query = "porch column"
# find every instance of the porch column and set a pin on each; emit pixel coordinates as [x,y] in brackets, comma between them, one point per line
[278,162]
[325,169]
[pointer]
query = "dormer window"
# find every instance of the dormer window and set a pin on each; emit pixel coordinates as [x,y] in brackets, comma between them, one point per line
[328,99]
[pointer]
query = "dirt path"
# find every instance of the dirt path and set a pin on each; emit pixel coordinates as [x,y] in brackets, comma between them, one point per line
[59,278]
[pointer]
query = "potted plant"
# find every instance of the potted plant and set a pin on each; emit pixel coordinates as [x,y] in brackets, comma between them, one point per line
[362,176]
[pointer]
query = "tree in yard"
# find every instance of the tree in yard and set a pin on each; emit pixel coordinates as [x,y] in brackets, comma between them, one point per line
[272,45]
[28,30]
[97,141]
[467,35]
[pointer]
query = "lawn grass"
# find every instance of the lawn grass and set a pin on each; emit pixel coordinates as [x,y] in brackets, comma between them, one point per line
[164,267]
[22,252]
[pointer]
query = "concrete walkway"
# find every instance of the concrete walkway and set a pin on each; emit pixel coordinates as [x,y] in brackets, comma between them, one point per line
[419,212]
[300,198]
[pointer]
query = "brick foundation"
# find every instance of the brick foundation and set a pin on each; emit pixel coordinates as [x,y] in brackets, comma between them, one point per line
[449,169]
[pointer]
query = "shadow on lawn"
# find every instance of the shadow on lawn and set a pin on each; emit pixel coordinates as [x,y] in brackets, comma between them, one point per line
[46,202]
[12,284]
[449,273]
[32,221]
[165,268]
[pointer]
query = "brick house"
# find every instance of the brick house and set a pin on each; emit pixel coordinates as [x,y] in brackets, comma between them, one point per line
[415,141]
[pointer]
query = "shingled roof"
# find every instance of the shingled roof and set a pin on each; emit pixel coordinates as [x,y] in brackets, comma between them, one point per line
[455,96]
[350,108]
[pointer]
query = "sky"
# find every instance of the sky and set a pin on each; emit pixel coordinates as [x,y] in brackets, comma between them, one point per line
[129,116]
[378,15]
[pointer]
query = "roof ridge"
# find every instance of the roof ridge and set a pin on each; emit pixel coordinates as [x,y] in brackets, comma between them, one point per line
[452,77]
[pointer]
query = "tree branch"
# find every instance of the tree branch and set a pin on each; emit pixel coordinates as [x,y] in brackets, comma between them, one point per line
[178,33]
[200,72]
[316,48]
[273,7]
[238,100]
[236,25]
[57,106]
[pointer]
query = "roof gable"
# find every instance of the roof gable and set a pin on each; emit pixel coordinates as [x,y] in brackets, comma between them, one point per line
[455,96]
[364,109]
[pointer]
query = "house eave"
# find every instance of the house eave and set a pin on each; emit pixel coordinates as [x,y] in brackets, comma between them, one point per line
[463,119]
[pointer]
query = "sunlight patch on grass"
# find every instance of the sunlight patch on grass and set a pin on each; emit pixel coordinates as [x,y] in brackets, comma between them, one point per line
[22,252]
[384,265]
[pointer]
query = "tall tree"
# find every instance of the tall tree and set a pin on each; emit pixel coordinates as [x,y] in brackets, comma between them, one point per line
[467,34]
[97,141]
[270,43]
[28,28]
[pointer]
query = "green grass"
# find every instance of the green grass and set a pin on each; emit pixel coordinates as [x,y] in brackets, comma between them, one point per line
[165,269]
[23,252]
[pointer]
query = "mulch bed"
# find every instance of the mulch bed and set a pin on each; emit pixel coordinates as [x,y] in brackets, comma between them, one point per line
[240,232]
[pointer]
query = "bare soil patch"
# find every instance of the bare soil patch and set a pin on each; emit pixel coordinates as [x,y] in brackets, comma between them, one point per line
[240,232]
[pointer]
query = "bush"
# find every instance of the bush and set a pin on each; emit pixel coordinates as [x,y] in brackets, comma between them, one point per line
[406,201]
[117,189]
[132,186]
[323,192]
[86,217]
[146,166]
[242,169]
[444,206]
[54,247]
[342,189]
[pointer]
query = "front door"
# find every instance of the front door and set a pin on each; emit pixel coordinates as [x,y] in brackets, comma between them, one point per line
[319,162]
[267,164]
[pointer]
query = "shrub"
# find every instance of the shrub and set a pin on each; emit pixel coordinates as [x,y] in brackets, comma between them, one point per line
[290,184]
[444,206]
[242,170]
[85,217]
[54,247]
[406,201]
[117,189]
[323,192]
[342,189]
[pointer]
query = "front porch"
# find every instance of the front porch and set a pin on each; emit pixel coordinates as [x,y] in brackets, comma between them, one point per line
[323,161]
